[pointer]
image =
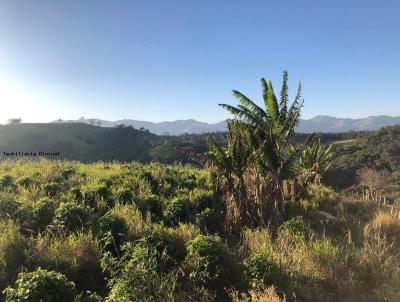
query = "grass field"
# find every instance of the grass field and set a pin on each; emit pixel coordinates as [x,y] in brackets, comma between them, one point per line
[122,231]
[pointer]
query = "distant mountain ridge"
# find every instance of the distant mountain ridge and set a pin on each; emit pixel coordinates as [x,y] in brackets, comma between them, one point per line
[320,123]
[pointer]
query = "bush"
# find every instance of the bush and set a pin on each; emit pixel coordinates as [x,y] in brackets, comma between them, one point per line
[73,217]
[7,182]
[52,189]
[176,212]
[39,215]
[25,182]
[140,278]
[13,248]
[152,205]
[295,226]
[208,260]
[125,196]
[325,252]
[77,193]
[106,195]
[41,286]
[68,172]
[8,208]
[171,241]
[208,221]
[204,200]
[136,223]
[262,267]
[116,226]
[90,199]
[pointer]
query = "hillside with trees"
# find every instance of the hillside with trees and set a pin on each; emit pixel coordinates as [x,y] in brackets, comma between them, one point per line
[87,143]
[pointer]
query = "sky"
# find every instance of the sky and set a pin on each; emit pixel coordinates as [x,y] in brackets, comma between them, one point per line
[167,60]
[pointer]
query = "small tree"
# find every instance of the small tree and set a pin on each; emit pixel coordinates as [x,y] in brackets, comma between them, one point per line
[375,181]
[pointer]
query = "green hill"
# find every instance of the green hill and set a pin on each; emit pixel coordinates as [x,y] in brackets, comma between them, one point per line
[79,141]
[379,150]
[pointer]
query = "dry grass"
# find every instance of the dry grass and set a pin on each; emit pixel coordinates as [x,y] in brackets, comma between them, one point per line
[386,224]
[252,240]
[77,256]
[137,224]
[260,293]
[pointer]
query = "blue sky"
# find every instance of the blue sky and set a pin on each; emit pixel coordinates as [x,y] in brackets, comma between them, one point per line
[167,60]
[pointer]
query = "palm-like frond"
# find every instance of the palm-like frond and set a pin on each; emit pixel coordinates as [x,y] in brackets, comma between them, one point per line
[233,156]
[242,114]
[271,103]
[246,102]
[315,157]
[220,159]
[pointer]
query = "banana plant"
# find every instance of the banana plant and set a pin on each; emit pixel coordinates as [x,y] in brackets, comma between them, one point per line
[314,161]
[231,161]
[272,128]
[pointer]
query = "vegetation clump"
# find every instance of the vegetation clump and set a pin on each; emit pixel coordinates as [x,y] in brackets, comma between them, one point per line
[41,285]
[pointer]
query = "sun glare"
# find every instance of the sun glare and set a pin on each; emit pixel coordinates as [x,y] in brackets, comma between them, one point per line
[19,101]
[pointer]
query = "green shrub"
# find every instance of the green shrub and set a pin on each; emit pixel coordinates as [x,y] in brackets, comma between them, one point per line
[8,208]
[204,200]
[140,278]
[116,226]
[7,182]
[77,193]
[41,286]
[325,252]
[323,197]
[26,182]
[39,215]
[176,212]
[189,182]
[167,243]
[13,248]
[125,196]
[208,260]
[52,189]
[68,172]
[106,195]
[153,205]
[295,226]
[72,216]
[262,267]
[208,221]
[90,199]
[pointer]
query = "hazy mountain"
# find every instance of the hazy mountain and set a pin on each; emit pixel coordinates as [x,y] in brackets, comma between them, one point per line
[324,123]
[177,127]
[321,123]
